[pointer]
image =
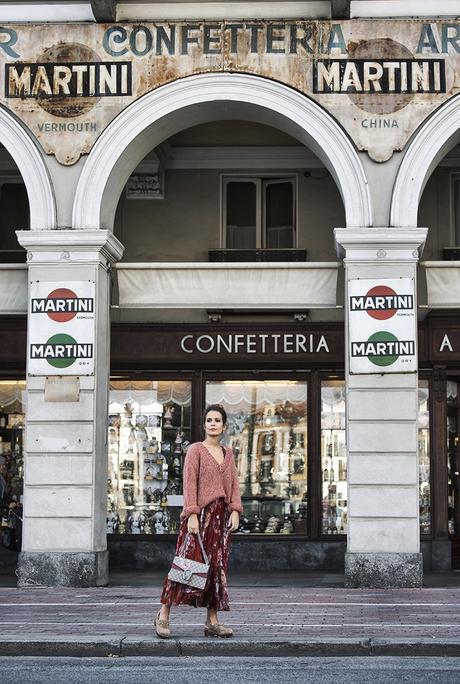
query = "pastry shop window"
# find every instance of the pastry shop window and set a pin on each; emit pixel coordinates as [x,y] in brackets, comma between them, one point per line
[149,430]
[333,458]
[424,456]
[267,431]
[12,403]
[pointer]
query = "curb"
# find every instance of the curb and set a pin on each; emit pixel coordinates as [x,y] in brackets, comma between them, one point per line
[131,647]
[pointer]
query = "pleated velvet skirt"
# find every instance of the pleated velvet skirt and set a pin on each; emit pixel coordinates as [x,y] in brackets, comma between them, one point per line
[213,525]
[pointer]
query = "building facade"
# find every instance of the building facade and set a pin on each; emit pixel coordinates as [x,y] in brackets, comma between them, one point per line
[252,204]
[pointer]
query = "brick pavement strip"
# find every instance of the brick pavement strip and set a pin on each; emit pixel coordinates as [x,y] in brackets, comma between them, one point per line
[274,621]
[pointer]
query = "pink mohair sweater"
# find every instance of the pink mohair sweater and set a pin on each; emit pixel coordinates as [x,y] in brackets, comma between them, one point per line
[206,480]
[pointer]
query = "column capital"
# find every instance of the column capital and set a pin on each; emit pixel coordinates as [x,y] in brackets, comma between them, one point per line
[381,244]
[70,246]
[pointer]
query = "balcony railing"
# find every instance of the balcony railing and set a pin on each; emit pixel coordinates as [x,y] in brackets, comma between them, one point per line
[256,255]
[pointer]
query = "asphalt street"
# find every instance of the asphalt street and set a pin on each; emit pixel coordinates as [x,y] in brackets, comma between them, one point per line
[229,670]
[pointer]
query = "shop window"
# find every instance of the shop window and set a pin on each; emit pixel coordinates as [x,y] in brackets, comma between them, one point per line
[424,457]
[149,431]
[267,430]
[453,462]
[12,402]
[259,213]
[333,458]
[14,215]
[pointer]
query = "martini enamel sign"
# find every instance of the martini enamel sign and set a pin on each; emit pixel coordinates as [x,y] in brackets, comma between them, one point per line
[61,328]
[382,326]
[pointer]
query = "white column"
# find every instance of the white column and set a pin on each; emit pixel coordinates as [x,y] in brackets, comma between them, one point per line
[383,501]
[65,470]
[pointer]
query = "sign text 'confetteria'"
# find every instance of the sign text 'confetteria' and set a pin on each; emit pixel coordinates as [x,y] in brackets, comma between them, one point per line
[255,343]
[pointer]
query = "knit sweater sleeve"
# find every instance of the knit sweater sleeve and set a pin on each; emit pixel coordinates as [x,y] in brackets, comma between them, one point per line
[191,473]
[235,500]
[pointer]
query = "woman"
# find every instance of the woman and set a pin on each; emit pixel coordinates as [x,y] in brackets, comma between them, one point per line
[212,507]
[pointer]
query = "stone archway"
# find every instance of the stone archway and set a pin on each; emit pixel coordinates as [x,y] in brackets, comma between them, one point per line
[435,137]
[27,155]
[206,97]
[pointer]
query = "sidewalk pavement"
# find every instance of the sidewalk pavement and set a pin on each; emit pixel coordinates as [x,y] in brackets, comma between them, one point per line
[271,615]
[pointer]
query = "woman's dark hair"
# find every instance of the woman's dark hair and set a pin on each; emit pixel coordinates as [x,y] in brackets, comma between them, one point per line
[215,407]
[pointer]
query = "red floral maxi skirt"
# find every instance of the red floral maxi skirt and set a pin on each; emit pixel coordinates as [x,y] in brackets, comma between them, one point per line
[213,524]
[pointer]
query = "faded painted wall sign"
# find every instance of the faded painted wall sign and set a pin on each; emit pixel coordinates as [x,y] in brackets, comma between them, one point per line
[379,79]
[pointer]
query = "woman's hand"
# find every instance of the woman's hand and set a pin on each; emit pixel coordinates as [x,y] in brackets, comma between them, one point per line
[234,522]
[192,523]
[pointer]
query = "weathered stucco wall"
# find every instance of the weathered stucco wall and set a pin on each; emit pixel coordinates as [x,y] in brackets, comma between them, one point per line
[186,224]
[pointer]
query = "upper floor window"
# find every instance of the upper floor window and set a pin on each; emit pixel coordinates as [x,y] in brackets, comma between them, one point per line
[258,212]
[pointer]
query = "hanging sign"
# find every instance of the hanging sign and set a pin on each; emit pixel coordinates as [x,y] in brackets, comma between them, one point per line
[382,326]
[61,328]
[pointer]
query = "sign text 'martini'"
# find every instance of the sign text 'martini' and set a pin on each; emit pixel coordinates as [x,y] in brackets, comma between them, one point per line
[72,304]
[76,79]
[379,76]
[381,302]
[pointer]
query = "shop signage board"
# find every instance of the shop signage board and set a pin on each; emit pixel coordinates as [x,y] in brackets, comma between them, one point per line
[226,345]
[379,79]
[383,326]
[61,328]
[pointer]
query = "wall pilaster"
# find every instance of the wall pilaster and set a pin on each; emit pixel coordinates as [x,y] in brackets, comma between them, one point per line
[65,478]
[382,422]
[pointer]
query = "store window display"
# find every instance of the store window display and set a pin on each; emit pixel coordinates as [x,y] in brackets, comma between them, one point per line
[12,415]
[333,458]
[424,456]
[453,460]
[149,431]
[267,431]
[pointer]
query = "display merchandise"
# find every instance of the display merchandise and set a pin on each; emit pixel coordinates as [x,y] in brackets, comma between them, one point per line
[149,432]
[453,459]
[267,431]
[333,458]
[424,457]
[11,462]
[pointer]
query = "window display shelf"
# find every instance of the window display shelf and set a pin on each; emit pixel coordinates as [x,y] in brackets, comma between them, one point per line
[149,432]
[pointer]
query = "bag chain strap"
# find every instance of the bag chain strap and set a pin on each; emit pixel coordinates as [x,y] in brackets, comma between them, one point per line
[205,557]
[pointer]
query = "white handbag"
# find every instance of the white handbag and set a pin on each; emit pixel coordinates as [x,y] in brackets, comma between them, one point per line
[190,572]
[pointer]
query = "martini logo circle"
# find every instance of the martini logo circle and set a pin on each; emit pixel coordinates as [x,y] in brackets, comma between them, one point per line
[377,292]
[383,337]
[61,350]
[62,293]
[58,341]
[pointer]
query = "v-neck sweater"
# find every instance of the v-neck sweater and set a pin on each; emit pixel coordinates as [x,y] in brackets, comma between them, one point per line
[206,480]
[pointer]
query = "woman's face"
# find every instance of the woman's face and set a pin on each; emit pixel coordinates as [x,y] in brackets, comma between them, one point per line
[213,424]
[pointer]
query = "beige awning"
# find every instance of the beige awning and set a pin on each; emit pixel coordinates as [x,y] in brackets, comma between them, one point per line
[443,284]
[227,285]
[13,288]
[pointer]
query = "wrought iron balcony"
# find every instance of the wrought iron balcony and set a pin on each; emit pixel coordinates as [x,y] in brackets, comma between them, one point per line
[256,255]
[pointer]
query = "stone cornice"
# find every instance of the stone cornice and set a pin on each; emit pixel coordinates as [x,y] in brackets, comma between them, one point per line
[70,245]
[380,244]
